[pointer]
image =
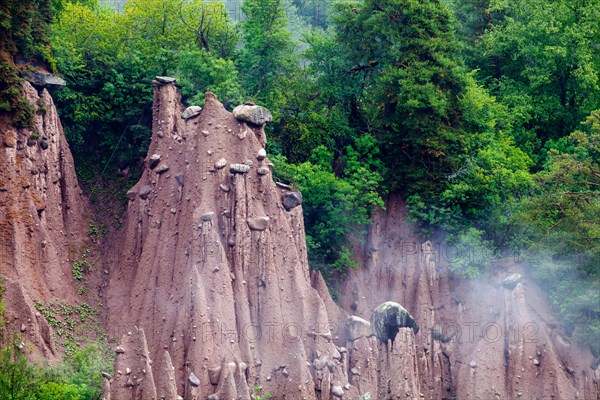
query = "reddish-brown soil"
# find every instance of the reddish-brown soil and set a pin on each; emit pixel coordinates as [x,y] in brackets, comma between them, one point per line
[43,221]
[208,293]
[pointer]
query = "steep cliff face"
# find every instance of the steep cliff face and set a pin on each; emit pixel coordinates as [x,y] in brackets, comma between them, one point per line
[210,277]
[42,221]
[477,340]
[208,289]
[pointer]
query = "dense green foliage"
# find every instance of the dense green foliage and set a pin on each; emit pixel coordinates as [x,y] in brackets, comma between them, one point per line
[78,377]
[406,54]
[24,37]
[540,58]
[109,59]
[471,109]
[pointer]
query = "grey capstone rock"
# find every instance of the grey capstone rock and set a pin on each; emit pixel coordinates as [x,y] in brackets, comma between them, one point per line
[511,281]
[239,168]
[262,153]
[191,112]
[165,79]
[154,160]
[256,115]
[291,200]
[40,80]
[388,318]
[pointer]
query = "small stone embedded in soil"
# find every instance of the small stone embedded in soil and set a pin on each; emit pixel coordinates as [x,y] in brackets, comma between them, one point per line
[145,191]
[214,374]
[536,361]
[180,178]
[173,210]
[131,194]
[44,145]
[337,391]
[205,132]
[9,141]
[119,350]
[472,364]
[154,160]
[162,169]
[258,223]
[208,216]
[221,163]
[263,171]
[224,187]
[194,380]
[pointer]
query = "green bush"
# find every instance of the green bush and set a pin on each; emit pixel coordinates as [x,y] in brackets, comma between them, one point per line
[78,377]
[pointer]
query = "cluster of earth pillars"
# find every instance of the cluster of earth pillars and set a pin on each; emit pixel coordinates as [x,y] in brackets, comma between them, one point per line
[208,291]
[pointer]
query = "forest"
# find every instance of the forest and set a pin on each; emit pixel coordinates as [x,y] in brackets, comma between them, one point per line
[483,114]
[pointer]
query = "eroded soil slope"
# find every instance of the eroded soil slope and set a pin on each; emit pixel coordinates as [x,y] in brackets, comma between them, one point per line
[42,222]
[209,285]
[478,340]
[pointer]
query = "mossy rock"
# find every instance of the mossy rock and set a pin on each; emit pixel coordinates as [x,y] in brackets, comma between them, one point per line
[388,318]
